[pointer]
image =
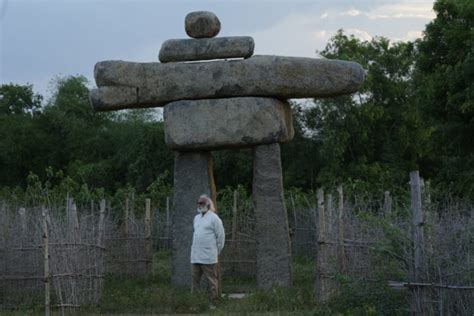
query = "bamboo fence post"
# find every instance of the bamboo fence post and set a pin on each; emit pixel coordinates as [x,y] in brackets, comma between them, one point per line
[234,226]
[75,222]
[47,284]
[147,218]
[22,213]
[100,237]
[92,207]
[168,223]
[75,251]
[428,192]
[330,230]
[329,216]
[322,275]
[148,232]
[295,224]
[126,216]
[387,203]
[340,217]
[132,205]
[418,300]
[99,256]
[127,242]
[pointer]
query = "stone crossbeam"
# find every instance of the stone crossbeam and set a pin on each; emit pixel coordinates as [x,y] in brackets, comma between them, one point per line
[156,84]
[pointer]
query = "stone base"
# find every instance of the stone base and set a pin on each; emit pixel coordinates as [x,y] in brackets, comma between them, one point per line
[192,177]
[273,241]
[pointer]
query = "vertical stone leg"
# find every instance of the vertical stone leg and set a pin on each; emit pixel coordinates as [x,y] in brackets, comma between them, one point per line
[273,242]
[192,177]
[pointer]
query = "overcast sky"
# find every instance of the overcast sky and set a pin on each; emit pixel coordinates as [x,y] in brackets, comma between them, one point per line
[42,39]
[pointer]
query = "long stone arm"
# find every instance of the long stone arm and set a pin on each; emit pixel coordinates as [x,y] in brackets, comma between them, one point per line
[134,85]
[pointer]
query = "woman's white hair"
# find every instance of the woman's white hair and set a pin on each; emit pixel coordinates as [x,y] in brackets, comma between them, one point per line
[209,203]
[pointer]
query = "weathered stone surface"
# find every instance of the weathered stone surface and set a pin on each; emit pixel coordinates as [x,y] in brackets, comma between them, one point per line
[176,50]
[192,177]
[265,76]
[273,240]
[225,123]
[201,24]
[113,95]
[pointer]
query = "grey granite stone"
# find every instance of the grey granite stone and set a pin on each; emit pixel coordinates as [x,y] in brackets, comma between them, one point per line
[226,123]
[101,98]
[176,50]
[266,76]
[273,241]
[201,24]
[192,177]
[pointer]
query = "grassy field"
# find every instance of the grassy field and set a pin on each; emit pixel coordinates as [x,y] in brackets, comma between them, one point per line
[154,295]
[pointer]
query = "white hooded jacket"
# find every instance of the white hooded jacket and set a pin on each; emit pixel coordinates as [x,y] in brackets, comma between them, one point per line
[208,238]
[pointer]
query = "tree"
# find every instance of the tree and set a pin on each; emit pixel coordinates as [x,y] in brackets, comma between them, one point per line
[18,99]
[444,80]
[20,143]
[375,135]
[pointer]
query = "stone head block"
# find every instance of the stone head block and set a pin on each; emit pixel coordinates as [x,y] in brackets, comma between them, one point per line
[202,24]
[226,123]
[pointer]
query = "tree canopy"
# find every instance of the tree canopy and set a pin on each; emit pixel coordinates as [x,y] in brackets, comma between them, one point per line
[414,111]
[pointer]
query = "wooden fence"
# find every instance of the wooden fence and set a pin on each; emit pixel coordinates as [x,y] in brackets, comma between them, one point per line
[59,256]
[46,254]
[435,248]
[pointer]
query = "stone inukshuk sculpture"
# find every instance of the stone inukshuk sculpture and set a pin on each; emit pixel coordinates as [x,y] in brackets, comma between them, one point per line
[236,100]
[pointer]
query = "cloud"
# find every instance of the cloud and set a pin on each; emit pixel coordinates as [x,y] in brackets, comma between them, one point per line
[409,36]
[320,34]
[352,12]
[416,10]
[294,35]
[304,32]
[361,34]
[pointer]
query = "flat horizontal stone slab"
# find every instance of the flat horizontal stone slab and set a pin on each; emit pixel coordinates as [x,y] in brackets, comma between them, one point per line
[226,123]
[265,76]
[176,50]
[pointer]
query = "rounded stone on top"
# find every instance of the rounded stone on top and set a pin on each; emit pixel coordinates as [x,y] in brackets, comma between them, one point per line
[202,24]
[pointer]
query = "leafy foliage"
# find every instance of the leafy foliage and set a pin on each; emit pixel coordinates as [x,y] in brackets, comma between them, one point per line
[375,135]
[414,111]
[444,79]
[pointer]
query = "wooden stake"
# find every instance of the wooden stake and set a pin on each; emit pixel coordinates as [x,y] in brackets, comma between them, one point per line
[321,273]
[132,206]
[417,224]
[147,218]
[340,219]
[148,231]
[75,222]
[168,222]
[329,216]
[295,225]
[167,209]
[47,285]
[126,217]
[418,297]
[100,237]
[387,203]
[234,218]
[22,213]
